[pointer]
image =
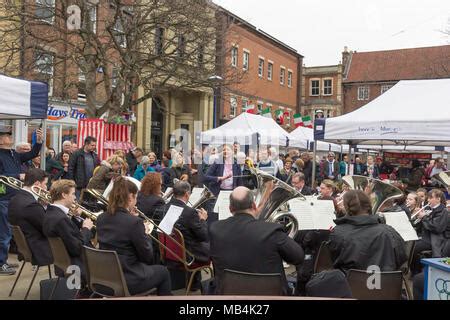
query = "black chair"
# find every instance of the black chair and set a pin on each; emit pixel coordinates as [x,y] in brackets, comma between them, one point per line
[237,283]
[24,250]
[61,259]
[390,285]
[323,260]
[105,272]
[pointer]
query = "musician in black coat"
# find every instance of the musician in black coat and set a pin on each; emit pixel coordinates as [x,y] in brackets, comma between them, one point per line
[359,240]
[58,223]
[245,243]
[298,182]
[149,199]
[26,212]
[121,230]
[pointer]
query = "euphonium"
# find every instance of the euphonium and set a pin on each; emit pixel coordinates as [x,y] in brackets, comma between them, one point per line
[205,196]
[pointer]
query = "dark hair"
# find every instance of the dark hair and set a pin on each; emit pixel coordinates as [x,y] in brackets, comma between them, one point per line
[167,154]
[180,188]
[33,175]
[89,139]
[151,184]
[60,187]
[436,193]
[242,204]
[299,175]
[118,197]
[356,202]
[416,163]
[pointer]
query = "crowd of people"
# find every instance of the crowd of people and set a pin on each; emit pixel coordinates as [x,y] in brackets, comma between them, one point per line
[242,242]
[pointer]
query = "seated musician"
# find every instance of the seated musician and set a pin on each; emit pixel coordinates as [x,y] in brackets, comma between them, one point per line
[26,212]
[224,173]
[149,199]
[245,243]
[121,230]
[298,182]
[422,194]
[433,226]
[413,203]
[58,222]
[359,240]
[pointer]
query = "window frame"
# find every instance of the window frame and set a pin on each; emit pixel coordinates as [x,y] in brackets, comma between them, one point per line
[282,75]
[311,87]
[363,90]
[323,87]
[270,71]
[261,67]
[246,60]
[233,107]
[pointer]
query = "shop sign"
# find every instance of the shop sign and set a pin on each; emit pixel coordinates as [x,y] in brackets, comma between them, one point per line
[65,114]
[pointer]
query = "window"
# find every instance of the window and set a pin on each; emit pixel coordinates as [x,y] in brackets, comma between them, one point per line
[282,75]
[43,62]
[315,88]
[327,87]
[119,33]
[81,85]
[45,10]
[290,79]
[233,107]
[363,93]
[234,56]
[385,88]
[246,62]
[244,105]
[90,19]
[159,41]
[270,71]
[261,68]
[181,47]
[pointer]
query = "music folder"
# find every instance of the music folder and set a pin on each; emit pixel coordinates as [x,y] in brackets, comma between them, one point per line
[313,214]
[172,215]
[222,205]
[400,222]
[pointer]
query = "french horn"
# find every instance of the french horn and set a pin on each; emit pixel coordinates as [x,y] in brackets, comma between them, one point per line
[378,191]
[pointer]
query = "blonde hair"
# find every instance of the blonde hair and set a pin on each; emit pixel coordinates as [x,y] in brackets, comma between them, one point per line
[60,187]
[115,159]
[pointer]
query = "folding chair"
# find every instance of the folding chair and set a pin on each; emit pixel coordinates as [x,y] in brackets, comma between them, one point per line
[61,258]
[390,285]
[24,249]
[180,259]
[236,283]
[323,260]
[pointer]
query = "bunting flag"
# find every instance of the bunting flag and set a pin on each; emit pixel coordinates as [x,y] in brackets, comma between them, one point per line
[266,113]
[250,109]
[298,120]
[279,117]
[307,122]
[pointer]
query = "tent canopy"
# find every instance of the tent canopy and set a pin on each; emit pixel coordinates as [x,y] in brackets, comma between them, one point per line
[411,113]
[21,99]
[245,129]
[303,135]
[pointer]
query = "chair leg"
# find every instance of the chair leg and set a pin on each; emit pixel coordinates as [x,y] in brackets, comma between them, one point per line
[53,289]
[49,272]
[191,279]
[409,293]
[32,281]
[17,278]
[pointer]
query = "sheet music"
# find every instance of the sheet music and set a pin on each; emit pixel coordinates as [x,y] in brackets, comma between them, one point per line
[168,190]
[172,215]
[195,196]
[222,205]
[313,214]
[400,222]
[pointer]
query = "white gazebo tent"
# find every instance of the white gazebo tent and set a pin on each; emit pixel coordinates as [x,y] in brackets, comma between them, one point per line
[412,113]
[303,134]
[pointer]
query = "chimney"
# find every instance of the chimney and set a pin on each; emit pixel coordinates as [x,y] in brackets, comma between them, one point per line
[346,57]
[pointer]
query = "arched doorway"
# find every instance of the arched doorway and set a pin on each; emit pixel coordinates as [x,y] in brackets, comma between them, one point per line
[156,137]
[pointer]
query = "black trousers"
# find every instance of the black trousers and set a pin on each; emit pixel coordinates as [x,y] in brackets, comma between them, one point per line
[159,280]
[421,246]
[418,286]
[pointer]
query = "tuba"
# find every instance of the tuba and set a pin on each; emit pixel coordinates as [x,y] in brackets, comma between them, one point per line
[378,191]
[276,208]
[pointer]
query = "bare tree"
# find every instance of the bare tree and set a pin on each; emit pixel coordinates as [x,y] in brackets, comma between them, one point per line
[105,50]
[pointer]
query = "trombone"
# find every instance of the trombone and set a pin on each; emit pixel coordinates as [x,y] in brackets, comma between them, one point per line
[18,185]
[103,200]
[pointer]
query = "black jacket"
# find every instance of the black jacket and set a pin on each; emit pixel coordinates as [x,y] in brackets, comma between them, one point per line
[125,234]
[58,224]
[177,172]
[24,211]
[243,243]
[152,206]
[11,165]
[284,176]
[77,171]
[358,242]
[194,230]
[307,191]
[307,171]
[215,171]
[132,163]
[433,229]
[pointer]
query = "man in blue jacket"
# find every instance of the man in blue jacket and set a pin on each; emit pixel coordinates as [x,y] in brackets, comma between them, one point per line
[10,166]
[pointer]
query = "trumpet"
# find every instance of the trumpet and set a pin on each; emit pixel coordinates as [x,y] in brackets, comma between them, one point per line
[415,219]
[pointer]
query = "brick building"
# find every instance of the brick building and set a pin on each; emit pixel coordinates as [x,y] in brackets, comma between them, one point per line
[267,71]
[322,90]
[367,75]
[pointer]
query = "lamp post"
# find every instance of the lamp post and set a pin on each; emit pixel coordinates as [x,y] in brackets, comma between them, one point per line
[215,80]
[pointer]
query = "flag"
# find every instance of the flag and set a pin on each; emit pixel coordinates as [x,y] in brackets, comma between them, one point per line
[250,109]
[306,122]
[267,113]
[279,117]
[298,120]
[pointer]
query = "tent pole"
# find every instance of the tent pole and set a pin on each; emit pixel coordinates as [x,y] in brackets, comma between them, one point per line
[350,171]
[44,143]
[313,179]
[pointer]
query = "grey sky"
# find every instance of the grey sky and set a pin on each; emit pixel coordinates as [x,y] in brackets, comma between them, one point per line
[319,30]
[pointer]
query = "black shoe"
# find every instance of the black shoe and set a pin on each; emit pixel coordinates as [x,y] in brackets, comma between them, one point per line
[6,270]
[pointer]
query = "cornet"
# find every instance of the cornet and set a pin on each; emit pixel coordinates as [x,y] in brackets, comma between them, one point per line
[415,219]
